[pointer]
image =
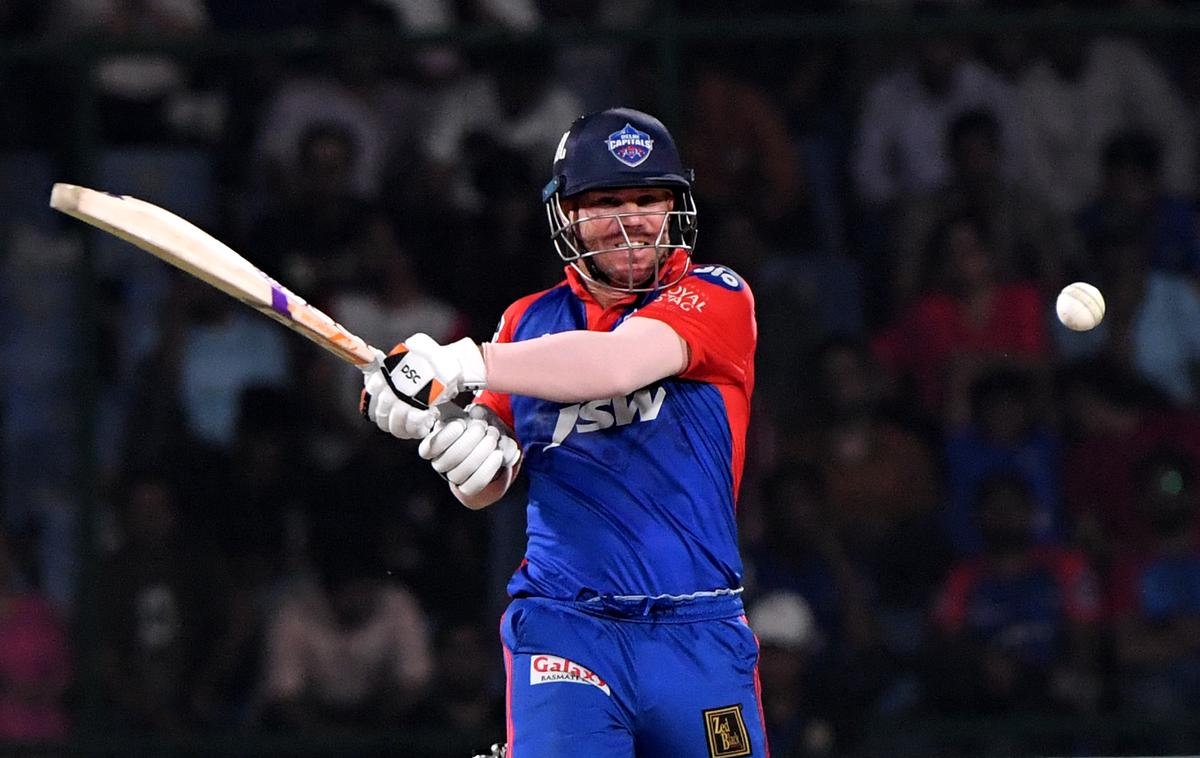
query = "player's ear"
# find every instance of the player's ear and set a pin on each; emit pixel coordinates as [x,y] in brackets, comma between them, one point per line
[570,206]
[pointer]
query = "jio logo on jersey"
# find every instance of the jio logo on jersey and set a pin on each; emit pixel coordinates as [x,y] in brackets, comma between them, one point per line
[595,415]
[719,275]
[630,146]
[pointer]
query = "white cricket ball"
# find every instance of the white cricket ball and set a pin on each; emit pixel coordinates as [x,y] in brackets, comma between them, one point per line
[1080,306]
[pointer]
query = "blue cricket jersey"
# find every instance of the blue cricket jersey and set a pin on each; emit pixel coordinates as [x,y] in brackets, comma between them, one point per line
[636,495]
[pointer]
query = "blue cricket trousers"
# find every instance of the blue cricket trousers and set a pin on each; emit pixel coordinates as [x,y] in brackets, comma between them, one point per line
[619,679]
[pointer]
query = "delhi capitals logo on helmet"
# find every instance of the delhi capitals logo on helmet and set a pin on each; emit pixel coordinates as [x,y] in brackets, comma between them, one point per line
[630,146]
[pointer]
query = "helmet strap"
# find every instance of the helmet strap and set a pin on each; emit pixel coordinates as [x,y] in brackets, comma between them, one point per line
[595,272]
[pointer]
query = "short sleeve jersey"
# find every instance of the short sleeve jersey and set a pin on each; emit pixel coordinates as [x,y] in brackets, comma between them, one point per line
[636,495]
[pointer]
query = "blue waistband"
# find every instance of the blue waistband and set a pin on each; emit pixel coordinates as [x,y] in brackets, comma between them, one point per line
[697,606]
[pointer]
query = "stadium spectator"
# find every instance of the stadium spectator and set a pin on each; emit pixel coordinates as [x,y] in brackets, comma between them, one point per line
[900,145]
[1017,625]
[594,69]
[357,92]
[867,592]
[314,234]
[244,508]
[795,712]
[210,349]
[749,164]
[250,500]
[880,470]
[466,695]
[386,296]
[997,424]
[1029,240]
[800,553]
[225,348]
[430,65]
[39,313]
[1152,322]
[35,660]
[485,146]
[507,104]
[142,95]
[966,319]
[1155,606]
[410,516]
[1077,94]
[883,494]
[1132,191]
[803,302]
[817,111]
[163,601]
[1114,420]
[348,649]
[494,242]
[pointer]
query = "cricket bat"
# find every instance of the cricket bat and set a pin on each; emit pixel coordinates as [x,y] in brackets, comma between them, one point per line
[191,249]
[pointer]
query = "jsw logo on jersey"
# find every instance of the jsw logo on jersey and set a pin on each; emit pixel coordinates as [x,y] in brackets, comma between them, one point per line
[603,414]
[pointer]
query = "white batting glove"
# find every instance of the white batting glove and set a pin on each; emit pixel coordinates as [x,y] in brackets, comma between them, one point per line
[470,451]
[456,367]
[381,405]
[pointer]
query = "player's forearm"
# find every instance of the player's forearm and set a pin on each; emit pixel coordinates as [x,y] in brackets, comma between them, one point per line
[576,366]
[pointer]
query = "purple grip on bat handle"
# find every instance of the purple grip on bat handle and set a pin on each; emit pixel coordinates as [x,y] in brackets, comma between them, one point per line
[279,301]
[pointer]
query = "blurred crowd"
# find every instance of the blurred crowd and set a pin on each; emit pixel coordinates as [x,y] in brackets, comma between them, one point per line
[953,506]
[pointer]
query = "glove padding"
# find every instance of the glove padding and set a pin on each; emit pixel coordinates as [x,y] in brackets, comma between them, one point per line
[470,451]
[382,406]
[456,367]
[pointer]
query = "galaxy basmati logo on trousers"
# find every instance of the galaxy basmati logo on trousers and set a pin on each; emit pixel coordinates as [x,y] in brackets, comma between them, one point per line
[630,146]
[548,669]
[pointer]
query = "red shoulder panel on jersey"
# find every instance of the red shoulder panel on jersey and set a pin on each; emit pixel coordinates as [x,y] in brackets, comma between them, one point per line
[712,309]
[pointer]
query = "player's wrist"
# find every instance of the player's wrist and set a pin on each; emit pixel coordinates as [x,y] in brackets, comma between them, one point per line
[471,362]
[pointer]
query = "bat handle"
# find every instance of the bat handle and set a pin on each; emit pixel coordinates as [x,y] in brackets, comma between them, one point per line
[375,363]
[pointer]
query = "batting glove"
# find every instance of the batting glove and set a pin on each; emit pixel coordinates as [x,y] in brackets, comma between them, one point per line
[453,368]
[471,450]
[385,405]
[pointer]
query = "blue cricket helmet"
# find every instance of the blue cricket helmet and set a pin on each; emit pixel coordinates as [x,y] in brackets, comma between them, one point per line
[618,148]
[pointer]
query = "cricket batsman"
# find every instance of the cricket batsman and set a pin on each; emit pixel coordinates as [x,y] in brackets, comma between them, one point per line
[624,394]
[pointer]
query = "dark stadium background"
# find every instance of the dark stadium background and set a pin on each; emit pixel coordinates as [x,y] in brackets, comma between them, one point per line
[184,483]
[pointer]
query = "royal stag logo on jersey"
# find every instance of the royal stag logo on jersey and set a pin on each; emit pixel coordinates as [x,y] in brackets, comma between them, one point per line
[595,415]
[630,146]
[546,669]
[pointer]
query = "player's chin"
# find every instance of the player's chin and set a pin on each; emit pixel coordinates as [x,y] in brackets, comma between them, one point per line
[630,277]
[629,268]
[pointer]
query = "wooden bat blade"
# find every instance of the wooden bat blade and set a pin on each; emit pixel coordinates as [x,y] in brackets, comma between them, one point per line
[191,249]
